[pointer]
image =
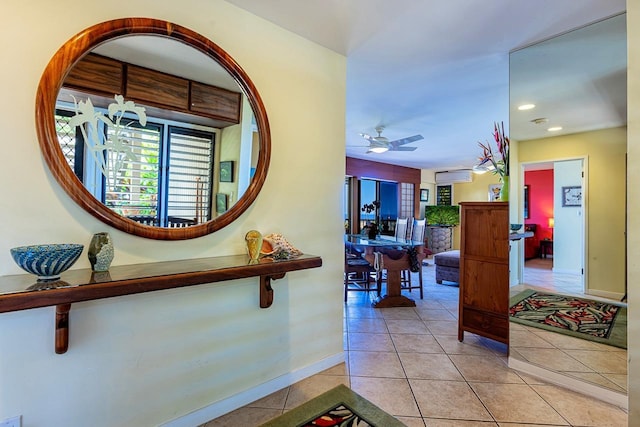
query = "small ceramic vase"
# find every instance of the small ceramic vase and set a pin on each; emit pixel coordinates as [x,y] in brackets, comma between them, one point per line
[100,252]
[254,243]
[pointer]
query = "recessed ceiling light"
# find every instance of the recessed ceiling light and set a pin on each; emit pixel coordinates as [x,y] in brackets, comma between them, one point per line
[555,128]
[525,107]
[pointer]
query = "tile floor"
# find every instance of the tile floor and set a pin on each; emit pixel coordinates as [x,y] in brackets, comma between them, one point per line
[600,364]
[408,361]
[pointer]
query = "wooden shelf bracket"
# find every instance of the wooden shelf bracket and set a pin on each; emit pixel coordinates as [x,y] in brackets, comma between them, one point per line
[266,291]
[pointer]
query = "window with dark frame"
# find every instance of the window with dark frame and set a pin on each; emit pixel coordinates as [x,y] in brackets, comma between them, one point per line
[168,184]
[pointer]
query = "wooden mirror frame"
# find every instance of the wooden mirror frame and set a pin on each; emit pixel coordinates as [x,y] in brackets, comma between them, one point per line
[51,82]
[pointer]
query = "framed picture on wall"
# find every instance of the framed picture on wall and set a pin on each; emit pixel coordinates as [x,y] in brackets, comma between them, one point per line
[424,194]
[494,192]
[572,196]
[226,171]
[221,202]
[526,202]
[444,195]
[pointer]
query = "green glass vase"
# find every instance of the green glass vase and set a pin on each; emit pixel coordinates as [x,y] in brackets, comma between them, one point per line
[504,191]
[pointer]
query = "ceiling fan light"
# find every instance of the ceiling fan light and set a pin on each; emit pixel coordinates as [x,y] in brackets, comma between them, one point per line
[379,149]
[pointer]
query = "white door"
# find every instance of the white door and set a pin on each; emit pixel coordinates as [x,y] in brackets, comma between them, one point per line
[568,211]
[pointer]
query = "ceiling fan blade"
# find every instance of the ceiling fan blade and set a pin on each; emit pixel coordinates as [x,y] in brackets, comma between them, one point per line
[407,140]
[366,136]
[402,148]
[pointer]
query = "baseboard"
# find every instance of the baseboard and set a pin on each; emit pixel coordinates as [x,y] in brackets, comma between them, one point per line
[606,395]
[567,271]
[616,296]
[239,400]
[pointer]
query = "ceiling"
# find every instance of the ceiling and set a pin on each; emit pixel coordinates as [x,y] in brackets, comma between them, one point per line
[433,67]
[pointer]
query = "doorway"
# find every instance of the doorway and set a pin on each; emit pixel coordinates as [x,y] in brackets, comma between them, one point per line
[554,210]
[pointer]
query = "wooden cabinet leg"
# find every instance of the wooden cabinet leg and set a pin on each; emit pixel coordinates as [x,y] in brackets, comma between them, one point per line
[62,328]
[266,291]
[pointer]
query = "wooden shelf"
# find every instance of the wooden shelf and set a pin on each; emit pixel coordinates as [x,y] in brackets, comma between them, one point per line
[19,292]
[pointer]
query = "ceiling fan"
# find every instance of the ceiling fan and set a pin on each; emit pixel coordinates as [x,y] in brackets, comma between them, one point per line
[380,144]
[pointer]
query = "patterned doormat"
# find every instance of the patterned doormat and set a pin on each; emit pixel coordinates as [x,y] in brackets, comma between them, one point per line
[578,317]
[337,407]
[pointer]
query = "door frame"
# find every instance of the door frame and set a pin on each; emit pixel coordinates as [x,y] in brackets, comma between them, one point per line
[585,214]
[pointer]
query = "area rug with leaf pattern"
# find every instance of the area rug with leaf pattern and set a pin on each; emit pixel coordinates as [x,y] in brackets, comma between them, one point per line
[339,407]
[592,320]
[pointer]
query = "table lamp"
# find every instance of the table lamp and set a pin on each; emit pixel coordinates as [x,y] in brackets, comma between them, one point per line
[551,225]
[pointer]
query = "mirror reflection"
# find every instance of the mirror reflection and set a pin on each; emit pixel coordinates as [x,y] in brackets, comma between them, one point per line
[553,73]
[157,131]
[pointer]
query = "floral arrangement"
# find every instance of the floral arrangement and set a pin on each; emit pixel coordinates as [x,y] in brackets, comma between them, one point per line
[372,228]
[371,207]
[499,161]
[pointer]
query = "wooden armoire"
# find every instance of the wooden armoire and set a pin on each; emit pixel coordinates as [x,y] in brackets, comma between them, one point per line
[484,270]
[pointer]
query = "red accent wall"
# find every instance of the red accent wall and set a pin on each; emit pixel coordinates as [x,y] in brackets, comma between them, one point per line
[540,200]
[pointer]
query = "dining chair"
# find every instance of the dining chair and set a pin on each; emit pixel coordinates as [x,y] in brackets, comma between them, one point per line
[418,230]
[402,225]
[357,272]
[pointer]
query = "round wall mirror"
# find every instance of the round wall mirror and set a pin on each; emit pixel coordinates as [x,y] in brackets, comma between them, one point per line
[153,129]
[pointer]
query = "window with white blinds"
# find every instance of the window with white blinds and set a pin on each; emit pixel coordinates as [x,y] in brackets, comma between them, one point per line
[164,179]
[191,160]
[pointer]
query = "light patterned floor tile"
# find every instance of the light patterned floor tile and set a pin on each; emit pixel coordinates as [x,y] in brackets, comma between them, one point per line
[375,364]
[311,387]
[370,325]
[581,410]
[429,366]
[484,369]
[399,313]
[433,422]
[275,400]
[416,343]
[430,314]
[411,421]
[452,400]
[601,361]
[525,338]
[370,342]
[407,327]
[442,327]
[245,416]
[392,395]
[470,345]
[553,359]
[517,403]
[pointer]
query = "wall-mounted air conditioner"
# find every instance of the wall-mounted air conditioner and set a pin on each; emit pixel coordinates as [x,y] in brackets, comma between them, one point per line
[450,177]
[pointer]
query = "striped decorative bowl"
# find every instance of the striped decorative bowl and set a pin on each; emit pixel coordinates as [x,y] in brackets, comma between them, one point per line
[47,261]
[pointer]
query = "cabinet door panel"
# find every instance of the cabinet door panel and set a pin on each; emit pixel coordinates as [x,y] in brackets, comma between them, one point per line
[97,74]
[486,285]
[216,102]
[157,88]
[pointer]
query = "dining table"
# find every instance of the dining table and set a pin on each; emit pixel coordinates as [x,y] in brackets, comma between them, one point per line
[390,254]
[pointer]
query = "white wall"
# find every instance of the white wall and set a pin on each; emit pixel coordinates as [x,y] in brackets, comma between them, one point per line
[146,359]
[568,232]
